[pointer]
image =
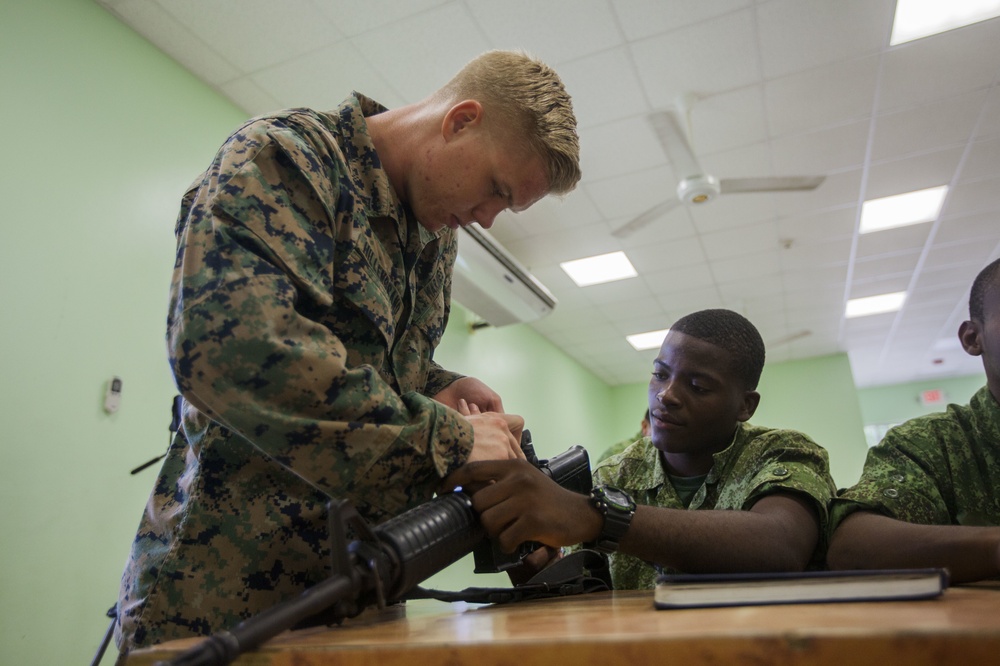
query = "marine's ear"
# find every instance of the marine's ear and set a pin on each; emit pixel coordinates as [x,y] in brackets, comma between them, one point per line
[463,115]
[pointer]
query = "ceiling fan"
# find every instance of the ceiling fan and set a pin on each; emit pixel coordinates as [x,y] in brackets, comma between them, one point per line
[696,186]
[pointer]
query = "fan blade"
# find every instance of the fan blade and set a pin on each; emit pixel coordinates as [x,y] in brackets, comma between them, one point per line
[778,184]
[671,129]
[645,218]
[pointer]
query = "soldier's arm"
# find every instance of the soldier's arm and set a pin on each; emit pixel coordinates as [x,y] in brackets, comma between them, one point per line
[779,533]
[868,540]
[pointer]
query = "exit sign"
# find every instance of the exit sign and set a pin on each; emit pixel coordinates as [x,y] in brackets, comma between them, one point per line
[932,397]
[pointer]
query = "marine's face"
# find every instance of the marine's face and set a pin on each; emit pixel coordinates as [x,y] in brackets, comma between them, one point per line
[471,175]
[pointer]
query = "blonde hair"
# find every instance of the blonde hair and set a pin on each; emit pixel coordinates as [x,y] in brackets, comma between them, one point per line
[529,99]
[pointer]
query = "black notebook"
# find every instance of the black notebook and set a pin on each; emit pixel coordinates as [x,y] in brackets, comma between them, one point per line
[697,591]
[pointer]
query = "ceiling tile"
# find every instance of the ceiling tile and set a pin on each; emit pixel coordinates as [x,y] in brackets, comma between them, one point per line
[916,172]
[268,32]
[294,82]
[835,94]
[893,241]
[582,26]
[822,151]
[706,58]
[177,41]
[797,34]
[619,94]
[980,226]
[439,59]
[945,65]
[351,19]
[941,124]
[643,18]
[982,160]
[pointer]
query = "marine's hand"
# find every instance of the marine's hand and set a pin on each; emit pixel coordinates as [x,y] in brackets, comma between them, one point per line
[473,391]
[494,439]
[517,502]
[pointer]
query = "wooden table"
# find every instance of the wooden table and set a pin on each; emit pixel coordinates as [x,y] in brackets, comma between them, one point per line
[960,627]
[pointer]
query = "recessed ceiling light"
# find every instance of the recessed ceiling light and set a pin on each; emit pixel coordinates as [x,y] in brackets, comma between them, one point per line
[920,18]
[602,268]
[649,340]
[862,307]
[900,210]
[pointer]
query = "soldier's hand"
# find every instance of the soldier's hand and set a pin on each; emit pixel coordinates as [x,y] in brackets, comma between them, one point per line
[517,502]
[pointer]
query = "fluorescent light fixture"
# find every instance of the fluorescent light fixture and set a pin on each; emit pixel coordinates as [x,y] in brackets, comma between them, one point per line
[862,307]
[900,210]
[920,18]
[602,268]
[650,340]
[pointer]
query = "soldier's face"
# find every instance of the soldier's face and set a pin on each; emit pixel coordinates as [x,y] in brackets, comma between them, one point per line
[695,402]
[472,176]
[986,338]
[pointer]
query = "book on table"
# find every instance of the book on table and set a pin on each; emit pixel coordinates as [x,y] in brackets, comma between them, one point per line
[704,590]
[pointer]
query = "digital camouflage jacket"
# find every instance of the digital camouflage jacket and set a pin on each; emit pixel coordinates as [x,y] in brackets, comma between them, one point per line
[939,469]
[305,307]
[759,462]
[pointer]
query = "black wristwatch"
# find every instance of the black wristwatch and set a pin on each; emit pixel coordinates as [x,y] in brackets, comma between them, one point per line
[617,508]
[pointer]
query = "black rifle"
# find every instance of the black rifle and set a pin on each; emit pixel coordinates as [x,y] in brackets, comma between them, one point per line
[383,564]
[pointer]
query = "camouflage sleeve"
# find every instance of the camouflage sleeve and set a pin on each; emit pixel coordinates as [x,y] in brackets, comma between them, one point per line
[254,266]
[438,379]
[789,461]
[897,481]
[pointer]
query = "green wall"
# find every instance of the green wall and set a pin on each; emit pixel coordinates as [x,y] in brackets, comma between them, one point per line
[102,134]
[817,396]
[889,405]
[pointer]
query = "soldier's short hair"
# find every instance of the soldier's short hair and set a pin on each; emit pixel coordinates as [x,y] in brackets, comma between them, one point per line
[529,98]
[732,332]
[987,278]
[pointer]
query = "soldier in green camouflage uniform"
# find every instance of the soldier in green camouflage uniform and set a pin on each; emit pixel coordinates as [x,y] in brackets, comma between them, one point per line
[929,494]
[311,286]
[713,493]
[759,462]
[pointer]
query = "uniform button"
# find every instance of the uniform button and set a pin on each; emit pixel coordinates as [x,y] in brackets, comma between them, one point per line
[897,478]
[891,492]
[780,471]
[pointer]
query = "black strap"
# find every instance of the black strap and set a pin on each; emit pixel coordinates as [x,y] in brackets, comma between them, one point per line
[581,572]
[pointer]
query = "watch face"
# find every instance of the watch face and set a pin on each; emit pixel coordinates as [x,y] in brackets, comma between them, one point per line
[618,499]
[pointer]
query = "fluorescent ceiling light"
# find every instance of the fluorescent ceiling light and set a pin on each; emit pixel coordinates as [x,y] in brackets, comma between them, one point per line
[920,18]
[650,340]
[862,307]
[900,210]
[602,268]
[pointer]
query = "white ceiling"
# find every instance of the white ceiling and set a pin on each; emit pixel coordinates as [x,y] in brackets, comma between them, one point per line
[785,87]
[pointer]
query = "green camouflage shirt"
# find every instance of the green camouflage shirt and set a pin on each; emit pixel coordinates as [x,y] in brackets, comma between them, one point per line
[759,462]
[939,469]
[305,307]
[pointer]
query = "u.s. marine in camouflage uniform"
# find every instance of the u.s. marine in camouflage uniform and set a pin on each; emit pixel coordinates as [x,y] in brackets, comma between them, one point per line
[929,494]
[711,492]
[311,286]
